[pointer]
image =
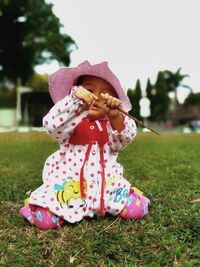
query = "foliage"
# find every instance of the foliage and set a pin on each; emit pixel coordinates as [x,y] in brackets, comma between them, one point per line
[150,92]
[192,99]
[157,93]
[7,98]
[30,35]
[166,168]
[34,106]
[159,100]
[174,79]
[149,89]
[135,96]
[166,82]
[39,82]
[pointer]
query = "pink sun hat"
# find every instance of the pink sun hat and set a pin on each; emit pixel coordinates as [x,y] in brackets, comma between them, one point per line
[61,82]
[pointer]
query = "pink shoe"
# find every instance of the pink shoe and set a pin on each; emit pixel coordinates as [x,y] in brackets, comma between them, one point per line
[40,217]
[45,219]
[136,206]
[26,213]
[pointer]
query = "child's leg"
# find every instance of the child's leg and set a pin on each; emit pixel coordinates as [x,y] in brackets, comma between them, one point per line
[40,217]
[136,206]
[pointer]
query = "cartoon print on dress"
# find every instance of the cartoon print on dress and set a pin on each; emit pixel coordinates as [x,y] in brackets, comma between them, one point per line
[69,193]
[110,180]
[122,193]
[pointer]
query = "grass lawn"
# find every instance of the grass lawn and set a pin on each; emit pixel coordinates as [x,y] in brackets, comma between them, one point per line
[165,167]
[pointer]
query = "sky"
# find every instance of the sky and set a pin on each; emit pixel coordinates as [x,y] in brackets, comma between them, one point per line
[138,38]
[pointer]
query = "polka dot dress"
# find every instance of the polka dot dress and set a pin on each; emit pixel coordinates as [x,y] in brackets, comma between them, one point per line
[60,192]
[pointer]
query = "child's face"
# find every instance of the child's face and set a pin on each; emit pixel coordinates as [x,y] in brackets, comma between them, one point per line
[97,86]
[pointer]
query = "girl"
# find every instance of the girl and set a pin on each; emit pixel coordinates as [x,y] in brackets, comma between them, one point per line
[83,177]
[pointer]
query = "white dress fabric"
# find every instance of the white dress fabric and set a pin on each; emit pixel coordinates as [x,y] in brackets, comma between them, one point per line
[60,191]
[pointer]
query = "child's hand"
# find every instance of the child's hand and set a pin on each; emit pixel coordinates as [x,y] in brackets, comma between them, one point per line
[111,105]
[85,95]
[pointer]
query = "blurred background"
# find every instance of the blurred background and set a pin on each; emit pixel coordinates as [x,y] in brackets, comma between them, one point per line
[152,46]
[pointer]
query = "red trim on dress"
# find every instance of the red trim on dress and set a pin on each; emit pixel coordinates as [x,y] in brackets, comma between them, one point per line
[87,133]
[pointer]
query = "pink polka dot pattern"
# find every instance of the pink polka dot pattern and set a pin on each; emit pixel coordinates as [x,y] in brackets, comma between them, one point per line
[61,122]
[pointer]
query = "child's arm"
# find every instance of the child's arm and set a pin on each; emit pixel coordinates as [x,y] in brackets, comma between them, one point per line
[121,128]
[63,117]
[120,139]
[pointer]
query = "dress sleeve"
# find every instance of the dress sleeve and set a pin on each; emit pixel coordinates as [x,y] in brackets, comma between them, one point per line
[63,117]
[119,140]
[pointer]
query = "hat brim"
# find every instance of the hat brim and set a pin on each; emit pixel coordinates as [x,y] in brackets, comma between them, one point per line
[61,82]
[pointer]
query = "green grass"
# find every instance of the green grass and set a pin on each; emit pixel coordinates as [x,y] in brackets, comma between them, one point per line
[165,167]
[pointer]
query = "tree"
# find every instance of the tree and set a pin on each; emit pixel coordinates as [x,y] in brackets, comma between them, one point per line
[30,35]
[39,82]
[192,99]
[135,96]
[166,82]
[150,92]
[174,80]
[160,100]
